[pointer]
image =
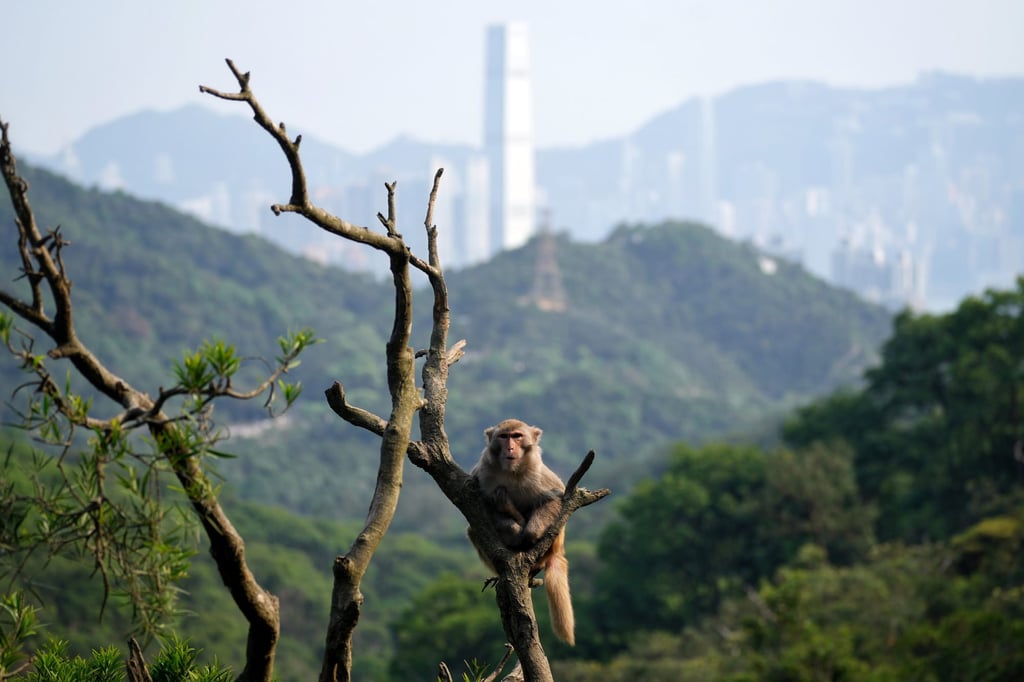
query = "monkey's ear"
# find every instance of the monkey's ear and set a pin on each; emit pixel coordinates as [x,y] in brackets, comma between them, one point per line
[488,433]
[536,434]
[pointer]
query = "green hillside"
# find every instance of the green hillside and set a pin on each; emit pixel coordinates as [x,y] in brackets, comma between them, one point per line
[675,331]
[671,332]
[726,562]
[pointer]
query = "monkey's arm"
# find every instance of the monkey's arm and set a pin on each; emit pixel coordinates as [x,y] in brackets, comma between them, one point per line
[507,520]
[545,512]
[504,506]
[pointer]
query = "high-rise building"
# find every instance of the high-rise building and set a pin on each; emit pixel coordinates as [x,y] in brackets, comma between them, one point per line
[474,236]
[508,135]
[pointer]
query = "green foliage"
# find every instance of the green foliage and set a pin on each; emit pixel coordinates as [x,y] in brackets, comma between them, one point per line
[176,662]
[976,612]
[293,555]
[194,372]
[18,623]
[720,519]
[936,432]
[811,495]
[208,370]
[655,657]
[53,664]
[971,645]
[684,540]
[901,613]
[95,503]
[898,616]
[451,620]
[811,622]
[95,492]
[6,327]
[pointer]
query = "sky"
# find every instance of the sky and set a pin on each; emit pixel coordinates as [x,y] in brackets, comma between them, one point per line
[359,73]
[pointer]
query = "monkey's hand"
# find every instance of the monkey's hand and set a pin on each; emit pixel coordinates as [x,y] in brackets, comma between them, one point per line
[542,518]
[510,531]
[503,505]
[508,521]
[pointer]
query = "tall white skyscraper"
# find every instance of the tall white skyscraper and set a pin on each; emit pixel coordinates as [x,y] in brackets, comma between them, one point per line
[508,135]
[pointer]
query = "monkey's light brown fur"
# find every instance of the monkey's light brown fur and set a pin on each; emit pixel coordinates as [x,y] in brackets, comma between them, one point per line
[525,498]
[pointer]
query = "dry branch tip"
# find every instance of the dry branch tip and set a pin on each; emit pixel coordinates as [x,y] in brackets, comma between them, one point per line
[456,352]
[581,470]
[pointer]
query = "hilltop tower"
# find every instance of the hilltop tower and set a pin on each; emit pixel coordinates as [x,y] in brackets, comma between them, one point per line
[547,292]
[508,135]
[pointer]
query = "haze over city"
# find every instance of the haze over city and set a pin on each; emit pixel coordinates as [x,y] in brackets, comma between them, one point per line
[874,145]
[359,74]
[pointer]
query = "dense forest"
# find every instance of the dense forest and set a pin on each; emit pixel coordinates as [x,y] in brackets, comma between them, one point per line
[794,498]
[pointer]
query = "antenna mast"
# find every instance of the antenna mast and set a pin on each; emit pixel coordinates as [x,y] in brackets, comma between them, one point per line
[547,293]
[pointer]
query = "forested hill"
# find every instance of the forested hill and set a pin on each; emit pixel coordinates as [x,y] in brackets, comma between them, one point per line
[670,333]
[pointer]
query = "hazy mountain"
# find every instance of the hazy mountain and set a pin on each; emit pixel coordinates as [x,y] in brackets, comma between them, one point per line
[908,195]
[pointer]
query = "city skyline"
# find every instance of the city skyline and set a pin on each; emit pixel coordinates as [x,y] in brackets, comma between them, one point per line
[841,225]
[908,195]
[364,74]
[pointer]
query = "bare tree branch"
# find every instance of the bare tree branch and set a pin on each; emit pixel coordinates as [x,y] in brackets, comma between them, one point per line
[42,262]
[346,599]
[432,452]
[509,650]
[353,415]
[428,222]
[299,201]
[137,670]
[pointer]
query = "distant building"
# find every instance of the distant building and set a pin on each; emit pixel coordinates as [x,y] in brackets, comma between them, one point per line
[893,279]
[508,135]
[474,243]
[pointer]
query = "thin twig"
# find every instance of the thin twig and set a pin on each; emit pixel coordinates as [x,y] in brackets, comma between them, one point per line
[428,222]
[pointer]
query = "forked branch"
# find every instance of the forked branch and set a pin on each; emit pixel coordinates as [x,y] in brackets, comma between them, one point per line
[432,452]
[299,201]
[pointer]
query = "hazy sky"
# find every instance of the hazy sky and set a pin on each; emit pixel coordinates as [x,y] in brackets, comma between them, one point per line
[359,73]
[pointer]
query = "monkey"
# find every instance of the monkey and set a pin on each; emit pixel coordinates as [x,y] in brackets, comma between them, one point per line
[524,497]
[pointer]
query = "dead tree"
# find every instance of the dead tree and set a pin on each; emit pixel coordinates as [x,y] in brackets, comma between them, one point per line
[431,452]
[48,308]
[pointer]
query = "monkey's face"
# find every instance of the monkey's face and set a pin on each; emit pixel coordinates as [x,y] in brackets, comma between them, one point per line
[511,443]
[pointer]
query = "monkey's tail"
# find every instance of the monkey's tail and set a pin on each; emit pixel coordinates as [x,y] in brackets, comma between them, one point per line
[556,582]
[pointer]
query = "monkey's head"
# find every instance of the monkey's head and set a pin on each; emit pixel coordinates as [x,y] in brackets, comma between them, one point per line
[512,442]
